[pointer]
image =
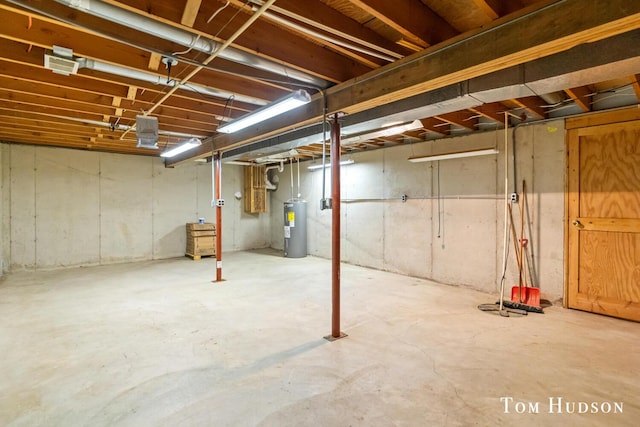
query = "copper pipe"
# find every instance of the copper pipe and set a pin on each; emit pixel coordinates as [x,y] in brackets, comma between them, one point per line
[218,196]
[335,228]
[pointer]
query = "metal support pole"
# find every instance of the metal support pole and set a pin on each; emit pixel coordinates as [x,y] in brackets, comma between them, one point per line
[335,231]
[218,200]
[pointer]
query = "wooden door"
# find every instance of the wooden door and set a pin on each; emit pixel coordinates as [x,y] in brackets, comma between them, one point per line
[604,217]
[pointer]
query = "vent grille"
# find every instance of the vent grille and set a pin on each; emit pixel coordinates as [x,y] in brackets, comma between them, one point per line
[147,143]
[60,65]
[147,132]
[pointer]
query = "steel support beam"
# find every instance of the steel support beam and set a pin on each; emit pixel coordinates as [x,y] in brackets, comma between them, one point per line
[495,47]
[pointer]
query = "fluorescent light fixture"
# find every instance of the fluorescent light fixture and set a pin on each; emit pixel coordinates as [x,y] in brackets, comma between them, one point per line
[393,130]
[289,102]
[278,157]
[328,165]
[457,155]
[185,146]
[239,163]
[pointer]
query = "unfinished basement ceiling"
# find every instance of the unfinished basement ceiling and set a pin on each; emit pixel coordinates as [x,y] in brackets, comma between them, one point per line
[122,50]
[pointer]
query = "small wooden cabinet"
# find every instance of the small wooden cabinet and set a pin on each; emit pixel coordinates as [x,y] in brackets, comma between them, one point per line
[200,240]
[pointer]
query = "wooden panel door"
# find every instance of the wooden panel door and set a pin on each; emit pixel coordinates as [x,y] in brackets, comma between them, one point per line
[604,216]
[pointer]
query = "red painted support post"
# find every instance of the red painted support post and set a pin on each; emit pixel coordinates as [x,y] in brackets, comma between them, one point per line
[335,231]
[218,197]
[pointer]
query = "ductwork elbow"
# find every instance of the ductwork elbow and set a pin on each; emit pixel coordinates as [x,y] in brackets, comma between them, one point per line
[271,183]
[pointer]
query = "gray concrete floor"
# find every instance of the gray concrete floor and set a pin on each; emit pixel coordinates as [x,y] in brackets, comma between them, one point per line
[157,344]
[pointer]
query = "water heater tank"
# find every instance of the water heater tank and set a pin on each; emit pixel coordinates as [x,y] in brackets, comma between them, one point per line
[295,228]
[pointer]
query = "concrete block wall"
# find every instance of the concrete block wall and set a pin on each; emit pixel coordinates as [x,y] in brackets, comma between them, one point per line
[451,227]
[65,208]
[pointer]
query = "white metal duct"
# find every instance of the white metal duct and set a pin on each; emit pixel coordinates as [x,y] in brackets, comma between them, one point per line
[161,80]
[187,39]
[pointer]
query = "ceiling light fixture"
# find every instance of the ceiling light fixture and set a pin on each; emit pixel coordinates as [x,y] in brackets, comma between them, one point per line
[185,146]
[328,165]
[385,132]
[239,163]
[274,158]
[289,102]
[456,155]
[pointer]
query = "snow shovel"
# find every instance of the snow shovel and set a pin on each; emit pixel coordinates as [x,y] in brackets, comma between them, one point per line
[523,294]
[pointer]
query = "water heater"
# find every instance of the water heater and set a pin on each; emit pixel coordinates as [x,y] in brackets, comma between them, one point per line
[295,228]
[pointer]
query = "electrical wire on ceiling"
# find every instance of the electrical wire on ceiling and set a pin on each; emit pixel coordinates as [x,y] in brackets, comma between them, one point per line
[328,38]
[228,105]
[217,12]
[190,47]
[200,54]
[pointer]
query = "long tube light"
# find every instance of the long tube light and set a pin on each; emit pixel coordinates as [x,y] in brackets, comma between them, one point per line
[289,102]
[187,145]
[456,155]
[328,165]
[381,133]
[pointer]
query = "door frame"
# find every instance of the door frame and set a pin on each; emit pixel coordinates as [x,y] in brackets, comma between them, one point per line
[572,131]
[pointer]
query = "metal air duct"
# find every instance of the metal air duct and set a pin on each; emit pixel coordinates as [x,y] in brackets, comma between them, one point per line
[161,80]
[185,38]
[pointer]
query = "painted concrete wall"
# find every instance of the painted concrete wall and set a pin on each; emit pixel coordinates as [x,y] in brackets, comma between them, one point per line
[451,227]
[4,207]
[63,208]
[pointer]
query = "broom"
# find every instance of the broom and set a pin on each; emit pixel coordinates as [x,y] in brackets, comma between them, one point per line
[522,296]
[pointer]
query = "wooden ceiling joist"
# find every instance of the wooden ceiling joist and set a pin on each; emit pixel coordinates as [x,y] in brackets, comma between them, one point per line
[415,21]
[435,125]
[635,83]
[581,96]
[190,12]
[492,8]
[492,111]
[325,18]
[465,119]
[533,105]
[441,66]
[365,47]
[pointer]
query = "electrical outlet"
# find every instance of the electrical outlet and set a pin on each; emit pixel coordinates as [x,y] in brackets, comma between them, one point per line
[404,198]
[220,203]
[325,204]
[513,197]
